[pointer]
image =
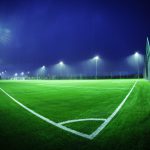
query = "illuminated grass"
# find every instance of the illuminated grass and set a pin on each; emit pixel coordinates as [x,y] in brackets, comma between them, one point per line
[67,100]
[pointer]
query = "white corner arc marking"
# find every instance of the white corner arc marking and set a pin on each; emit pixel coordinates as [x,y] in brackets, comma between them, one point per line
[79,120]
[59,125]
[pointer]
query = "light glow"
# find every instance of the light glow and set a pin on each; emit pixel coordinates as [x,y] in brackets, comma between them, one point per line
[22,73]
[16,74]
[5,35]
[61,63]
[136,54]
[43,67]
[96,58]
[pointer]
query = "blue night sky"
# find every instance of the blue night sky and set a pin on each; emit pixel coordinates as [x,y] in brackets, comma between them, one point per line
[44,32]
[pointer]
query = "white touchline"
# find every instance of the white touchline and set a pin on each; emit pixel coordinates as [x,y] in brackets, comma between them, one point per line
[79,120]
[46,119]
[59,125]
[102,126]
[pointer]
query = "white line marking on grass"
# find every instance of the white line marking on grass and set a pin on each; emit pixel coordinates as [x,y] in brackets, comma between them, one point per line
[79,120]
[46,119]
[59,125]
[102,126]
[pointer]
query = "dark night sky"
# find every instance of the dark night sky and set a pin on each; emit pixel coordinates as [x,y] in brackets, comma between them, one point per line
[44,32]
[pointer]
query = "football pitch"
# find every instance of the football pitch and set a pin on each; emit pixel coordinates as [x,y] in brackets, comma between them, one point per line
[75,114]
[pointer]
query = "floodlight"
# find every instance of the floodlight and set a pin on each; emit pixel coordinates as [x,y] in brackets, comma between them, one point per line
[22,73]
[136,54]
[61,63]
[96,57]
[137,61]
[41,71]
[43,67]
[61,66]
[16,74]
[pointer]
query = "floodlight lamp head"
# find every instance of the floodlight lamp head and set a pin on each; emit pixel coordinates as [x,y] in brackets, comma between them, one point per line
[16,74]
[22,73]
[96,57]
[136,54]
[61,63]
[43,67]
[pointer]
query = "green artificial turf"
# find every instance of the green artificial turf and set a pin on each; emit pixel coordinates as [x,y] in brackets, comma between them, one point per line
[62,100]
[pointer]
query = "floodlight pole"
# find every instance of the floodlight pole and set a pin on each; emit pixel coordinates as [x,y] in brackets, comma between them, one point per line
[138,69]
[60,71]
[61,64]
[96,58]
[96,68]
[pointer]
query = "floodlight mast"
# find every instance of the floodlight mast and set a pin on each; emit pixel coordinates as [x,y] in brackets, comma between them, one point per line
[61,64]
[138,68]
[96,58]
